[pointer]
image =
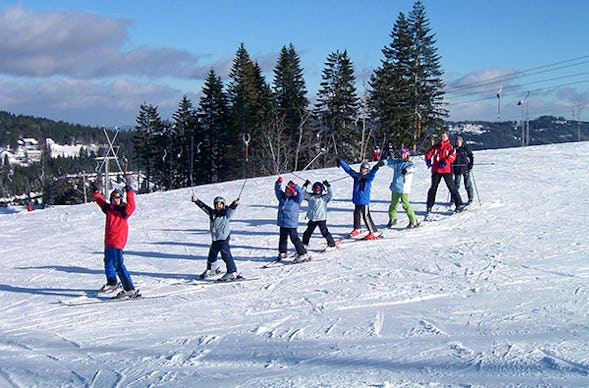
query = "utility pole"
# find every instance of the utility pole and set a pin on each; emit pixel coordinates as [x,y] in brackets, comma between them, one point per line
[523,104]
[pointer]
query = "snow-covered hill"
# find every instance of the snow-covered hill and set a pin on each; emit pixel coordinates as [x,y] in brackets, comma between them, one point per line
[497,295]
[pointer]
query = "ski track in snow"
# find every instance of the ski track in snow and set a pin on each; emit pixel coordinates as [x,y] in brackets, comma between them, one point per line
[496,295]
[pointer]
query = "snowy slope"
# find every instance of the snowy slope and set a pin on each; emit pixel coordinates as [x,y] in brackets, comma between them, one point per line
[497,295]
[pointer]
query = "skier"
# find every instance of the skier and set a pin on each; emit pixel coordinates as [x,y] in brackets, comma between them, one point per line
[289,204]
[361,196]
[462,167]
[317,212]
[115,238]
[442,155]
[400,187]
[376,154]
[219,217]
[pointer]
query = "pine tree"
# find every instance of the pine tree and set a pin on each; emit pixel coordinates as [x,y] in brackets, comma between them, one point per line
[337,106]
[427,71]
[184,129]
[211,138]
[147,141]
[291,104]
[251,115]
[391,95]
[407,89]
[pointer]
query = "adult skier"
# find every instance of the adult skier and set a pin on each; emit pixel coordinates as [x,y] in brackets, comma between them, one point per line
[440,158]
[116,232]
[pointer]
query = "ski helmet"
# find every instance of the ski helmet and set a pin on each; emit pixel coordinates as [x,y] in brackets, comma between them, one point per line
[405,151]
[218,199]
[365,165]
[318,187]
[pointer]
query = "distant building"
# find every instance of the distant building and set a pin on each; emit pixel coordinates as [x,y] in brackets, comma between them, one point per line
[31,150]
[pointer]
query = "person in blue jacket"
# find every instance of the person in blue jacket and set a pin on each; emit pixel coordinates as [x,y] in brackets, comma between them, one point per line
[219,218]
[361,196]
[321,194]
[403,170]
[289,204]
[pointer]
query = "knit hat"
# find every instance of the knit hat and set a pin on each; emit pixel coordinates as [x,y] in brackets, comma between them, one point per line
[405,151]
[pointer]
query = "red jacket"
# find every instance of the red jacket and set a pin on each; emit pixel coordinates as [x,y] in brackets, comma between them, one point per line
[441,151]
[116,229]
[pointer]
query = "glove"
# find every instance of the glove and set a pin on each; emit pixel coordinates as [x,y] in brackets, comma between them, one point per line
[442,164]
[194,199]
[380,163]
[326,183]
[279,180]
[307,183]
[127,188]
[469,167]
[95,186]
[235,203]
[404,171]
[428,163]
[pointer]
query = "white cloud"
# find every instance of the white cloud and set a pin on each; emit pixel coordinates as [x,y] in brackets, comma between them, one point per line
[83,45]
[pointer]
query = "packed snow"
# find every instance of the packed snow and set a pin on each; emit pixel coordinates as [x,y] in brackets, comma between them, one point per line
[497,295]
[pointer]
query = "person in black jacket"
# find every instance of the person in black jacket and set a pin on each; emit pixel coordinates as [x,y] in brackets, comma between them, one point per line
[462,168]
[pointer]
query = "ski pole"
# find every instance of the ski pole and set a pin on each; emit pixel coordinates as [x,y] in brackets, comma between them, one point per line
[281,167]
[315,158]
[334,145]
[427,135]
[242,187]
[474,183]
[476,164]
[190,166]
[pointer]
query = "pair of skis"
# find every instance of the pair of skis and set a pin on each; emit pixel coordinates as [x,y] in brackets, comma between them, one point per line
[191,285]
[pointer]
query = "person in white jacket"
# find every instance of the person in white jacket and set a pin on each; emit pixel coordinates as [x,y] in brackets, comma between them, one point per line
[400,187]
[317,212]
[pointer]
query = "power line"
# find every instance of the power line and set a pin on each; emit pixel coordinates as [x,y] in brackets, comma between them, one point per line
[520,74]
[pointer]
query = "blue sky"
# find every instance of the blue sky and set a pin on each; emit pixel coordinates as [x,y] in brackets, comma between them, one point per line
[95,62]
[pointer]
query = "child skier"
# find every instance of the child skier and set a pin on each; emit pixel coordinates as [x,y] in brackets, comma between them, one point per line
[289,204]
[400,187]
[219,217]
[115,238]
[317,212]
[361,196]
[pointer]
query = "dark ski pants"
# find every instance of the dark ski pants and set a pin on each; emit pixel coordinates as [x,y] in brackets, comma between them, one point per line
[467,184]
[363,212]
[291,233]
[114,265]
[431,194]
[223,247]
[311,225]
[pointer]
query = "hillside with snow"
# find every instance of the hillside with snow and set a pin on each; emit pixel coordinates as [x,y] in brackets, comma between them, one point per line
[495,296]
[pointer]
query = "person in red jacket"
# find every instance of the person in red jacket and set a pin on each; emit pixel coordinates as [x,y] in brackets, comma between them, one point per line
[440,158]
[116,232]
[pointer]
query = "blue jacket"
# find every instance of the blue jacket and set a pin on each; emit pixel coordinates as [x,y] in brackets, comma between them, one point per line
[362,183]
[219,220]
[288,208]
[401,183]
[317,210]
